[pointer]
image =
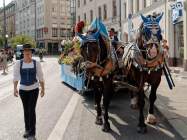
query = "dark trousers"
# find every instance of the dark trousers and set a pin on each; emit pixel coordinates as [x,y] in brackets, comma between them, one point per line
[29,100]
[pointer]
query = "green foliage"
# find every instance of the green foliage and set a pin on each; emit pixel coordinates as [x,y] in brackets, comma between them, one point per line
[68,46]
[71,53]
[1,42]
[22,39]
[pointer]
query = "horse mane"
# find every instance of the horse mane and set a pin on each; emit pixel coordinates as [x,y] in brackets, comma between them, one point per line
[102,44]
[103,48]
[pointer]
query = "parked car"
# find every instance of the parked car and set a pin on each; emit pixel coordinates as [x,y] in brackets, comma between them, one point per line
[18,52]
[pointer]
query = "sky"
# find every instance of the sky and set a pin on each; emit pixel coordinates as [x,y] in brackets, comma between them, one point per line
[6,2]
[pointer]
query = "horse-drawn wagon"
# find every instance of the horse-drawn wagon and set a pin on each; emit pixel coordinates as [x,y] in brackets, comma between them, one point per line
[142,62]
[67,59]
[73,69]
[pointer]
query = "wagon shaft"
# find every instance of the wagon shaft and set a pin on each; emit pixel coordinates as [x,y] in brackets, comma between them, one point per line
[124,85]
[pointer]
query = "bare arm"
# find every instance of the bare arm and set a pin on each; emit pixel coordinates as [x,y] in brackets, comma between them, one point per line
[42,88]
[16,78]
[15,88]
[42,85]
[39,74]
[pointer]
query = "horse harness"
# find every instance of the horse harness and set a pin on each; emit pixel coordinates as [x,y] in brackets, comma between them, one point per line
[133,56]
[98,68]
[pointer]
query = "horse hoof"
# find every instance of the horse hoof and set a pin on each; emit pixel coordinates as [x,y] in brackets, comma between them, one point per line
[106,127]
[99,121]
[134,106]
[151,119]
[142,130]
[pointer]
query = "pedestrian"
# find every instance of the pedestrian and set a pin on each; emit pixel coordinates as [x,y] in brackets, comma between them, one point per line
[28,72]
[165,49]
[114,39]
[4,58]
[41,54]
[116,36]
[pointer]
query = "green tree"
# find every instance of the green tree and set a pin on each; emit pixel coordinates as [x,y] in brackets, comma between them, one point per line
[1,42]
[22,39]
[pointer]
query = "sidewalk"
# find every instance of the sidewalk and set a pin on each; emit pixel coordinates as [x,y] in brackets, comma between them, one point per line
[9,64]
[172,104]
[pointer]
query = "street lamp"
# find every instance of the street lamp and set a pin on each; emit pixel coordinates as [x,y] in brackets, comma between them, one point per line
[5,36]
[6,41]
[120,22]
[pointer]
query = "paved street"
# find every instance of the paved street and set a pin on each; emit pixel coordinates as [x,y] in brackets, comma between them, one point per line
[172,103]
[123,123]
[49,108]
[81,126]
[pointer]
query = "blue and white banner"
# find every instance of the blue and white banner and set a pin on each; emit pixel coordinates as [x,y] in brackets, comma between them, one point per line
[177,10]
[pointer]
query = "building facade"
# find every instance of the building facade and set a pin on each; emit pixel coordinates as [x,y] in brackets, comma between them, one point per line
[174,33]
[47,21]
[25,18]
[10,20]
[106,10]
[115,13]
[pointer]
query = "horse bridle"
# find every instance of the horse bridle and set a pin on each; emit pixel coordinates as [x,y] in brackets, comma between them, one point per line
[97,62]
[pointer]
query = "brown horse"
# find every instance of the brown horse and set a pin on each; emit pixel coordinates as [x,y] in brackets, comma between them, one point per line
[143,62]
[98,66]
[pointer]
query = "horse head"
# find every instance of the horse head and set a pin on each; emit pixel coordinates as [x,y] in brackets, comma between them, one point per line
[151,26]
[150,35]
[90,47]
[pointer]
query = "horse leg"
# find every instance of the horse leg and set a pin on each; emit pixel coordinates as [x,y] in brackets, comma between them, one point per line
[107,95]
[97,102]
[151,119]
[141,102]
[134,100]
[98,96]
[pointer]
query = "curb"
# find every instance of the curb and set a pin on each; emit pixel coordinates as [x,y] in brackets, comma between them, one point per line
[172,119]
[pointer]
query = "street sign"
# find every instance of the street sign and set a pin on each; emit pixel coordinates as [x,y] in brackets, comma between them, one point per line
[177,11]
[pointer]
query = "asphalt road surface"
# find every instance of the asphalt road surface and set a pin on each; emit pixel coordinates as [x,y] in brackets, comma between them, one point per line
[81,126]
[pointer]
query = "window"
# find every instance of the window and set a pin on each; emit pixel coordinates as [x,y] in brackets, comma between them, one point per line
[137,8]
[78,3]
[62,32]
[99,13]
[40,33]
[132,6]
[114,8]
[79,18]
[85,17]
[53,9]
[105,12]
[54,32]
[125,10]
[145,4]
[91,15]
[84,2]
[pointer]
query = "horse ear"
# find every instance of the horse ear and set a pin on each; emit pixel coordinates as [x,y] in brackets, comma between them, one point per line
[96,35]
[158,18]
[144,18]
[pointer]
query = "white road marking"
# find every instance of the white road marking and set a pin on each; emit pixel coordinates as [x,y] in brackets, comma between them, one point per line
[62,124]
[6,84]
